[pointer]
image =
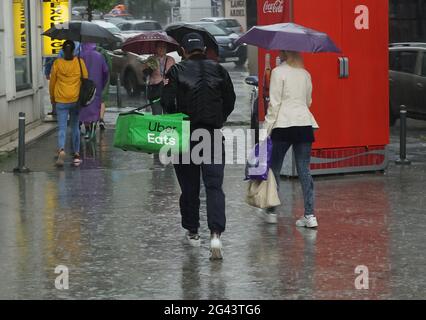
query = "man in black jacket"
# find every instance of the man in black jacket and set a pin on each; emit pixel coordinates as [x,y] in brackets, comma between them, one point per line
[203,90]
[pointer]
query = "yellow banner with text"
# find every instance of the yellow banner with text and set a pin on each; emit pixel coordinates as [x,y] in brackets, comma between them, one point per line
[19,28]
[54,11]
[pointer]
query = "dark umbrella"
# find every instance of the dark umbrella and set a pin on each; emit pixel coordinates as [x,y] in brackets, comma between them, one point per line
[288,36]
[178,31]
[145,43]
[82,31]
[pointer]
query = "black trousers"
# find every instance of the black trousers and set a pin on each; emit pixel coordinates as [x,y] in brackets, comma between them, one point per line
[189,180]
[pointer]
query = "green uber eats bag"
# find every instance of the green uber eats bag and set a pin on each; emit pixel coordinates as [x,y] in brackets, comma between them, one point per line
[144,132]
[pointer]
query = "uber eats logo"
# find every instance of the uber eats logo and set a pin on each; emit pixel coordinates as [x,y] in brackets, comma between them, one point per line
[167,135]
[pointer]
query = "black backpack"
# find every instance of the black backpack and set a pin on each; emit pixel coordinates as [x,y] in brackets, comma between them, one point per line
[87,90]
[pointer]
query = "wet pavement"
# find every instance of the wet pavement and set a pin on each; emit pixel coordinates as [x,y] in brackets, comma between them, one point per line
[114,222]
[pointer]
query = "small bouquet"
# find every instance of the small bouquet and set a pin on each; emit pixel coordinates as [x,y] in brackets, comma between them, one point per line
[151,63]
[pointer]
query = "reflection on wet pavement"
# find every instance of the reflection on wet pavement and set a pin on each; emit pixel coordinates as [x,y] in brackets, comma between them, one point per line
[114,222]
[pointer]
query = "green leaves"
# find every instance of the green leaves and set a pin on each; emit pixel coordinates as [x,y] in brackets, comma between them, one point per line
[102,5]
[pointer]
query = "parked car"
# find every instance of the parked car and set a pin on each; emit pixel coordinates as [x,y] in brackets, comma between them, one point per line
[230,24]
[117,18]
[129,68]
[229,51]
[407,77]
[139,25]
[80,13]
[108,25]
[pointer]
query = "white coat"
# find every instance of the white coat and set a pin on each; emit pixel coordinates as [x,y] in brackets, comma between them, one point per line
[290,99]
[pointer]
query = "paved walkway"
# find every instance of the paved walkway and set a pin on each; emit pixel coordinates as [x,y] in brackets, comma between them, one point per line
[114,223]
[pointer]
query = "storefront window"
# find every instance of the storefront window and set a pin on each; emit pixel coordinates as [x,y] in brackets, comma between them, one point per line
[407,20]
[22,44]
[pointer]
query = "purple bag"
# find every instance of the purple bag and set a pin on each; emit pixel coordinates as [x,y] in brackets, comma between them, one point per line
[259,161]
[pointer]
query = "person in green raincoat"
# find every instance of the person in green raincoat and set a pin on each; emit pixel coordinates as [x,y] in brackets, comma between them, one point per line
[105,92]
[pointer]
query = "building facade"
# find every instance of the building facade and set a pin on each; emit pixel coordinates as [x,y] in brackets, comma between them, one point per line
[407,20]
[237,9]
[194,10]
[22,85]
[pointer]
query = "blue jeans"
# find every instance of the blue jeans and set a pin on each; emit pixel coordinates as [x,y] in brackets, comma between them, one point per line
[62,111]
[302,152]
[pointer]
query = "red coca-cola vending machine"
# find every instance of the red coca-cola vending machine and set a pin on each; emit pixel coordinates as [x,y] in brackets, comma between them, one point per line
[351,90]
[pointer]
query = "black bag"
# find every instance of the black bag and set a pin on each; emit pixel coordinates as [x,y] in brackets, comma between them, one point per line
[155,91]
[87,90]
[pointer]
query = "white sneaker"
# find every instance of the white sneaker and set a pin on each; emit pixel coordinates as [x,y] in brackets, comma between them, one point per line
[270,217]
[193,240]
[215,247]
[307,222]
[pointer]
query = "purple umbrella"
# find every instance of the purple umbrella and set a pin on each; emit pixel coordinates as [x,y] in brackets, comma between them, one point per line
[288,36]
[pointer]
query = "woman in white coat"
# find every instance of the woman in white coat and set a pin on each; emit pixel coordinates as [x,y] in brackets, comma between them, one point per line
[290,123]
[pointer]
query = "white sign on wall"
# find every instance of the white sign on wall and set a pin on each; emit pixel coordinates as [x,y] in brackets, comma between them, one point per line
[237,9]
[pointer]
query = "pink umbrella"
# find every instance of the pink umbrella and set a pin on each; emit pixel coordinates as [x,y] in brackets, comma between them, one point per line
[145,43]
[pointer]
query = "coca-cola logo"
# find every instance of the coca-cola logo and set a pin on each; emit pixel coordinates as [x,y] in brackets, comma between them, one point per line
[273,7]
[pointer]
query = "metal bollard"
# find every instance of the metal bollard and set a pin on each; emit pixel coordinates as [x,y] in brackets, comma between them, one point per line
[403,138]
[21,146]
[119,103]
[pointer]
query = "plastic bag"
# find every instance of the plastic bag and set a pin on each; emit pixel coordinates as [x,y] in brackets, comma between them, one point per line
[259,161]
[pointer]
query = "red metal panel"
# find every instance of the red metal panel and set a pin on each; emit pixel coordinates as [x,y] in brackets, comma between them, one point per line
[327,95]
[347,158]
[366,91]
[352,112]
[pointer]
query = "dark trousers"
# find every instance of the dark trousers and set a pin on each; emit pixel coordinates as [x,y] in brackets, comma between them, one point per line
[189,180]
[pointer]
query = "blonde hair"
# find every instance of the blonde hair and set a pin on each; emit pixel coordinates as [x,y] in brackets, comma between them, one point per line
[294,59]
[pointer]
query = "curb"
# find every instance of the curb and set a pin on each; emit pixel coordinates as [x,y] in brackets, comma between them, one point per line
[31,137]
[237,123]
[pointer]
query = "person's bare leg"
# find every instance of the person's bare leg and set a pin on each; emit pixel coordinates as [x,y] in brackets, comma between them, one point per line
[101,120]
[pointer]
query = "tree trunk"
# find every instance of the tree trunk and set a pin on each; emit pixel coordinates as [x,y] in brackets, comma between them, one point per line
[152,9]
[89,11]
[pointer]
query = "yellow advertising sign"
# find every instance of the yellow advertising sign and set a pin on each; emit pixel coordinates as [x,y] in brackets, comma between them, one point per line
[19,28]
[54,11]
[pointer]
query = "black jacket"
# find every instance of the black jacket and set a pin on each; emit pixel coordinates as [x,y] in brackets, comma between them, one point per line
[202,89]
